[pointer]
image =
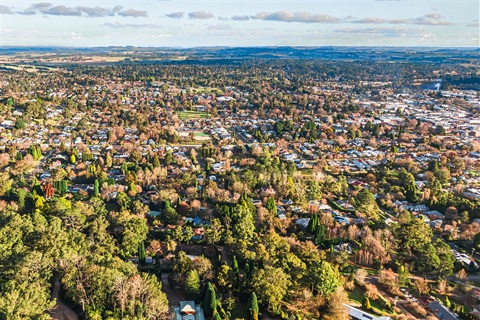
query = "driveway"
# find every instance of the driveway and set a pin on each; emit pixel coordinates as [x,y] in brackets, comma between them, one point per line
[173,299]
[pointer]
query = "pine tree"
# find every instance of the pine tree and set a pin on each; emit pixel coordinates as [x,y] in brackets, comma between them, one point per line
[313,224]
[141,253]
[366,303]
[210,301]
[447,302]
[253,305]
[192,285]
[96,188]
[156,162]
[271,205]
[235,264]
[319,234]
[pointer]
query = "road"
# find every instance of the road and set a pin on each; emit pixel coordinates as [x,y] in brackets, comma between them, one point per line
[61,311]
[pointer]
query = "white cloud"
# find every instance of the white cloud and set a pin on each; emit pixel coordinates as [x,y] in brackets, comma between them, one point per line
[287,16]
[5,10]
[202,15]
[46,8]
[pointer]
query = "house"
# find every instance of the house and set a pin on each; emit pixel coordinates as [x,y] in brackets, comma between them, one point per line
[341,219]
[281,213]
[188,311]
[441,311]
[343,247]
[357,314]
[303,222]
[316,206]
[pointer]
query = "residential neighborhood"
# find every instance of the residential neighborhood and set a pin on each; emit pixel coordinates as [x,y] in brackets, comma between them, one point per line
[278,190]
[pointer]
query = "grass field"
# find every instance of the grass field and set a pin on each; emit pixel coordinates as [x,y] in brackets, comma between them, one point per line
[357,295]
[193,115]
[208,90]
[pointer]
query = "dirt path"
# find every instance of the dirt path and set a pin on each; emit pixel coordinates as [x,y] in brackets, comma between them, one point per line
[173,299]
[61,310]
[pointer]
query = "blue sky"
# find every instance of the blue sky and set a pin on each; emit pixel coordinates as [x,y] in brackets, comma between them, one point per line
[191,23]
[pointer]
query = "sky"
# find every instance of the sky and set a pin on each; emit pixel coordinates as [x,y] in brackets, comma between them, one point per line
[194,23]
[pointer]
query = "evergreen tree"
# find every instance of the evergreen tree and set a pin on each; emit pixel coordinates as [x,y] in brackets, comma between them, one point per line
[447,302]
[319,234]
[156,162]
[271,206]
[403,275]
[366,303]
[313,224]
[96,188]
[141,253]
[210,301]
[168,158]
[192,285]
[253,305]
[235,265]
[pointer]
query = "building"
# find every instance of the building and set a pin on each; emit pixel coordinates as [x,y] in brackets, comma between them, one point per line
[358,314]
[441,311]
[188,311]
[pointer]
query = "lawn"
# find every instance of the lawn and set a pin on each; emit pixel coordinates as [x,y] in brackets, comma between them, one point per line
[202,134]
[208,90]
[193,115]
[357,294]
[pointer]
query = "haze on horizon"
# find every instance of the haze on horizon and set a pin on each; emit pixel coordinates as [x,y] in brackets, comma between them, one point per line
[193,23]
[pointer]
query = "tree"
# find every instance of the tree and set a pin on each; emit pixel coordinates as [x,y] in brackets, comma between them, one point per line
[365,202]
[336,307]
[313,224]
[252,306]
[271,206]
[414,234]
[323,277]
[409,186]
[271,284]
[192,285]
[168,159]
[96,188]
[20,124]
[135,230]
[366,303]
[319,234]
[440,130]
[403,275]
[170,215]
[141,253]
[235,265]
[210,301]
[476,240]
[225,277]
[447,302]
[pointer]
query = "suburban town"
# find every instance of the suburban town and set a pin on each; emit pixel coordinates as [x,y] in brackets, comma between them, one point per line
[276,189]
